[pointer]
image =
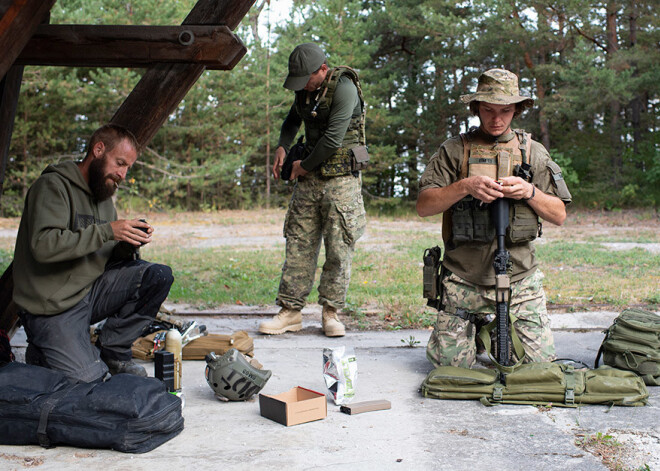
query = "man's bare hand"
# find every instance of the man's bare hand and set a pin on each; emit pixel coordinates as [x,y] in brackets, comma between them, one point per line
[280,155]
[297,170]
[516,188]
[133,231]
[483,188]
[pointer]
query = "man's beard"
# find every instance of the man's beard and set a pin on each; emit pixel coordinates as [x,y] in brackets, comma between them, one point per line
[98,180]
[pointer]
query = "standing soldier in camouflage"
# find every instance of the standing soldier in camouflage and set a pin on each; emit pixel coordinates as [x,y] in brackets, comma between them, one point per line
[327,201]
[462,177]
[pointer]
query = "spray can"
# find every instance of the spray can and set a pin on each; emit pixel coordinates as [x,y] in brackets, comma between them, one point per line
[173,344]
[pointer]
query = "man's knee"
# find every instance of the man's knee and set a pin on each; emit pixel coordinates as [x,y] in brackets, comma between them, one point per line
[158,276]
[452,342]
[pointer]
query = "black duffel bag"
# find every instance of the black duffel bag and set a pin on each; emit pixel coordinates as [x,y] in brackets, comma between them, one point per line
[127,413]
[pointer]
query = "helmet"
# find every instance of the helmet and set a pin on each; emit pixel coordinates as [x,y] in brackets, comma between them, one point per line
[232,377]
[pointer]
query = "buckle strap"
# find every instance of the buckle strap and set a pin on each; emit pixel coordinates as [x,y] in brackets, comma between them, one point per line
[46,409]
[569,395]
[465,315]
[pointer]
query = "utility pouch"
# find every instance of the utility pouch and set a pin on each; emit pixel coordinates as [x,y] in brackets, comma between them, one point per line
[360,158]
[432,281]
[297,152]
[339,164]
[523,224]
[484,229]
[483,162]
[461,220]
[471,221]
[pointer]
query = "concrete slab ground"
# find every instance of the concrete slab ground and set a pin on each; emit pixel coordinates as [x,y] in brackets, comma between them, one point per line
[415,434]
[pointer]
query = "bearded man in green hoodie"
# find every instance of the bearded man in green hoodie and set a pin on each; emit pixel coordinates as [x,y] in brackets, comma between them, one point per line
[76,264]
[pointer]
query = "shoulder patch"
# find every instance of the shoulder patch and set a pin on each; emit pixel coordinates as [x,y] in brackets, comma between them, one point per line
[558,181]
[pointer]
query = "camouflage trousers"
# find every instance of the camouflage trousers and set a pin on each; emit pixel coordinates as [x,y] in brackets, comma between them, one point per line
[321,209]
[452,342]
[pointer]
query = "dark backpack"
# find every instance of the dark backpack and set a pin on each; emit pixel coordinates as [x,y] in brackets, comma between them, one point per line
[632,343]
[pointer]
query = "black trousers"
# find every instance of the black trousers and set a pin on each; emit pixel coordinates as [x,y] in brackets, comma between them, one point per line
[127,295]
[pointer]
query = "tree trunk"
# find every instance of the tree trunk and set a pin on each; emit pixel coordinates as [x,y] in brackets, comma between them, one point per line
[636,103]
[268,112]
[616,160]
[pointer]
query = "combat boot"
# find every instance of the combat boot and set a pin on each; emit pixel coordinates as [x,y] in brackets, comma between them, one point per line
[332,327]
[129,367]
[287,320]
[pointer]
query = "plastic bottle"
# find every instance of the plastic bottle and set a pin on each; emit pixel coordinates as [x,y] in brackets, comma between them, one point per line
[173,344]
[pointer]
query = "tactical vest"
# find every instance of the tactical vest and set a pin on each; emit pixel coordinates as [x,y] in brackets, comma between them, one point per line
[470,219]
[316,113]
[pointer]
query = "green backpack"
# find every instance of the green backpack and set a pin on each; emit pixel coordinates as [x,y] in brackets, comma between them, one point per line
[632,343]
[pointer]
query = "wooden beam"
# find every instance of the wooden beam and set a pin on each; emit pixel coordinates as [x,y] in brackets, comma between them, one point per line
[163,86]
[10,87]
[18,21]
[132,46]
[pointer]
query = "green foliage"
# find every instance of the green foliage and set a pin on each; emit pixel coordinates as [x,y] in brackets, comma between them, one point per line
[596,92]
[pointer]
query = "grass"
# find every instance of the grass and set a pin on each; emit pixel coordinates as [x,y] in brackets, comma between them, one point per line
[608,449]
[586,273]
[386,283]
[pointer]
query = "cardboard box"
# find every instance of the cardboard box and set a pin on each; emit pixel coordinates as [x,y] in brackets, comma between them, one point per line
[295,406]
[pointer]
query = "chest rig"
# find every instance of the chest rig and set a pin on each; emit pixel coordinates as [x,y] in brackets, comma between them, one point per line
[315,112]
[470,219]
[496,160]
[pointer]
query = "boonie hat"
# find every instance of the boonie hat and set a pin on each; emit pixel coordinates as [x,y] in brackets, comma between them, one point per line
[500,87]
[305,59]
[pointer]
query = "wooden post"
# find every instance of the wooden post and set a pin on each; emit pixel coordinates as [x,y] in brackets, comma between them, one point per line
[19,20]
[10,87]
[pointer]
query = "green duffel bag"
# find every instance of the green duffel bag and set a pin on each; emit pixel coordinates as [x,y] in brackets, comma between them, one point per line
[538,384]
[632,343]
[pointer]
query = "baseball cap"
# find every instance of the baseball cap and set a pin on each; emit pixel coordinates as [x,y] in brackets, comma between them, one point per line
[305,59]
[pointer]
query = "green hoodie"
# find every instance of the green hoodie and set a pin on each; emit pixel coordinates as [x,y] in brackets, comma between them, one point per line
[64,241]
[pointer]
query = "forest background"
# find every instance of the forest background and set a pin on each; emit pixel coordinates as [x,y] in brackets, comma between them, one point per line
[593,68]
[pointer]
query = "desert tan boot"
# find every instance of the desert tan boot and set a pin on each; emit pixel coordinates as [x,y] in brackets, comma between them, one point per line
[287,320]
[332,327]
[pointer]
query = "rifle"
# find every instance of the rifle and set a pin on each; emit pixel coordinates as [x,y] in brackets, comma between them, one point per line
[500,214]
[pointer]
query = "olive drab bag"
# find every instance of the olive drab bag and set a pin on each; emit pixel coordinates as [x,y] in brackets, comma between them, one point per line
[632,343]
[539,383]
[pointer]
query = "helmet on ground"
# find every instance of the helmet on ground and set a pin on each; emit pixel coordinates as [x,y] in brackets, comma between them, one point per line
[232,377]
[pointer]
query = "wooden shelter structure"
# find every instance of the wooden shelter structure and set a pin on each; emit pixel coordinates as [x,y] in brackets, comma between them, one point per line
[174,58]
